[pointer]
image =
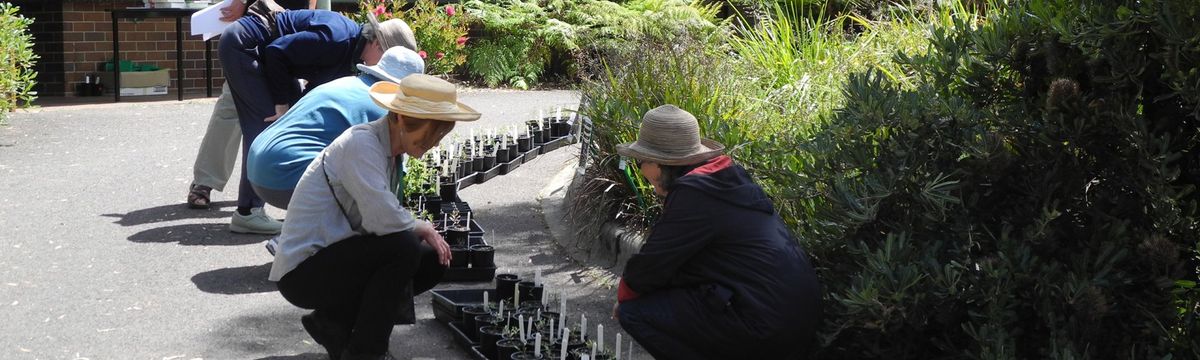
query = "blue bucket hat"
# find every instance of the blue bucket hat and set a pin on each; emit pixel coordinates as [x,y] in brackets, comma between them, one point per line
[397,63]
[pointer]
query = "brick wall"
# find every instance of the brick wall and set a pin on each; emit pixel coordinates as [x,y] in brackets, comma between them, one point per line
[84,42]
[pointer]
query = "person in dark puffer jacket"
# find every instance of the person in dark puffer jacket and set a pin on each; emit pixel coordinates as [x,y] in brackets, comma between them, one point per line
[720,276]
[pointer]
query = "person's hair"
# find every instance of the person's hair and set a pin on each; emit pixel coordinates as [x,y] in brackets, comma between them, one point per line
[670,174]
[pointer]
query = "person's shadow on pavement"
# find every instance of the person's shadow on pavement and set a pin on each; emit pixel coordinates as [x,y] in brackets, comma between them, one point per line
[197,234]
[170,213]
[236,280]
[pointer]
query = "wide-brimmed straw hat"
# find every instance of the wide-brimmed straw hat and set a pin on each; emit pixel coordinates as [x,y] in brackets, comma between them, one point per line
[396,63]
[670,136]
[422,96]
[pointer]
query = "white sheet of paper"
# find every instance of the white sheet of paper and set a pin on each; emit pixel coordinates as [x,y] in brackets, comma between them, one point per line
[207,22]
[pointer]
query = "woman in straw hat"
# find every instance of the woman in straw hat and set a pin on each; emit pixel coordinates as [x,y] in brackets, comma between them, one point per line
[720,276]
[349,251]
[264,57]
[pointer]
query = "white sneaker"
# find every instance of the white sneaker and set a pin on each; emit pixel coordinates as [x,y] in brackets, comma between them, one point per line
[256,223]
[272,243]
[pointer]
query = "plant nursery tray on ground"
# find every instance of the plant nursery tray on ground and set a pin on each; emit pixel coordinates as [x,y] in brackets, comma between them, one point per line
[532,153]
[448,304]
[554,144]
[472,347]
[466,181]
[508,167]
[469,275]
[484,176]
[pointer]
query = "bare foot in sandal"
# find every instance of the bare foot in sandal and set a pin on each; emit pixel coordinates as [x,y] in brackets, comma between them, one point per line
[198,197]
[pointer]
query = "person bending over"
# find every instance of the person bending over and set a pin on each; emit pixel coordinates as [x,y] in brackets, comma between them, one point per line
[280,153]
[349,251]
[720,276]
[264,57]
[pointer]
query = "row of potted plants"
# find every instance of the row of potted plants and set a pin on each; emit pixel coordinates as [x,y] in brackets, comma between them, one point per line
[522,324]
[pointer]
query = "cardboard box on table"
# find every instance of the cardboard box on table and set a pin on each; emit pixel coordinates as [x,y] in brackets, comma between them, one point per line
[139,83]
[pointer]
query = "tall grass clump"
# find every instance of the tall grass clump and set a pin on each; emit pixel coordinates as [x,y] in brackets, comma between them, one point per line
[687,73]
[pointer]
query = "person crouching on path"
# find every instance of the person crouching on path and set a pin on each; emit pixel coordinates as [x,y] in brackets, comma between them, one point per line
[720,276]
[349,250]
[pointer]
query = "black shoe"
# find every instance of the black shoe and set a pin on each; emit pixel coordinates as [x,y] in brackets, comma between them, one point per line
[326,333]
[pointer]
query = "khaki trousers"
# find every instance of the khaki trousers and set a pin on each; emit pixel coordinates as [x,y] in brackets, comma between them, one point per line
[219,148]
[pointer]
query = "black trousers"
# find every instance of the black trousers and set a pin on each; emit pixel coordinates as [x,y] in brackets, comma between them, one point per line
[679,323]
[358,283]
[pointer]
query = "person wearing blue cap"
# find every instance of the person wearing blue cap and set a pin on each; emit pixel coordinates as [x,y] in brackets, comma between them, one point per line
[280,153]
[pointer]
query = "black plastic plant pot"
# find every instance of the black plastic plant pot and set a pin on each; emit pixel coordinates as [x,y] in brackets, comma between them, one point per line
[478,165]
[576,343]
[547,316]
[488,336]
[470,326]
[489,162]
[456,236]
[530,293]
[528,356]
[513,151]
[524,144]
[483,256]
[545,135]
[491,319]
[502,155]
[504,286]
[465,168]
[448,191]
[560,129]
[433,202]
[459,257]
[506,348]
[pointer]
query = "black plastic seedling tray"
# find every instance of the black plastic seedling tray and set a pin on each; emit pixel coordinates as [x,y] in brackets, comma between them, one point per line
[553,145]
[484,176]
[508,167]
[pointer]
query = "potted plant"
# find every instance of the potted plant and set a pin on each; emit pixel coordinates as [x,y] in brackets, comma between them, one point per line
[505,285]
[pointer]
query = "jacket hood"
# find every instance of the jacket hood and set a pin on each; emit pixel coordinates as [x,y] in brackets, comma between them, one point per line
[723,180]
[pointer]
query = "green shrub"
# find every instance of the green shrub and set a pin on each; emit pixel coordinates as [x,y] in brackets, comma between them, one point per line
[1030,195]
[17,59]
[1019,184]
[440,31]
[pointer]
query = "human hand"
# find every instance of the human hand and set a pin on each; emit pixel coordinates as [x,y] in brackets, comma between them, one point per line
[426,232]
[234,11]
[279,111]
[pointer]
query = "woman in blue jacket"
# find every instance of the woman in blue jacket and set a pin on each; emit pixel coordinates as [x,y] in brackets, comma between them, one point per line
[282,152]
[720,276]
[263,59]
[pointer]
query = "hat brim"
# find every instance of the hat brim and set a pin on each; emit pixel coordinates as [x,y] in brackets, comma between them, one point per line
[383,92]
[708,149]
[377,73]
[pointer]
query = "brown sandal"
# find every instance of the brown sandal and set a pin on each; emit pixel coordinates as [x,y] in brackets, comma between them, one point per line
[198,197]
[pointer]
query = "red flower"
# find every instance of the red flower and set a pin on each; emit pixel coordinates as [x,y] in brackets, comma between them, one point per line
[461,40]
[450,10]
[379,10]
[439,55]
[423,54]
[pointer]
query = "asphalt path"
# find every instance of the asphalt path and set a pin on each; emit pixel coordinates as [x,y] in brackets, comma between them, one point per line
[100,258]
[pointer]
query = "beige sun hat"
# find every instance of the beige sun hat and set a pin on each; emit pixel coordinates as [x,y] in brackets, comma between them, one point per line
[422,96]
[393,32]
[670,136]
